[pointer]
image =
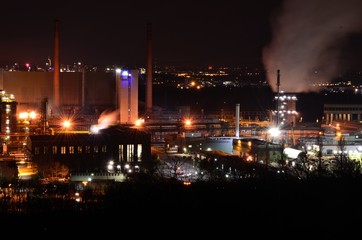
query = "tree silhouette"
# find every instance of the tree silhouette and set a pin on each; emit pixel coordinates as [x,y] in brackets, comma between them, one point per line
[53,170]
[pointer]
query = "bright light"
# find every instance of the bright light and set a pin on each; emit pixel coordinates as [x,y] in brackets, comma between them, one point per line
[66,124]
[139,122]
[188,122]
[94,129]
[23,115]
[110,165]
[124,73]
[27,115]
[274,132]
[32,115]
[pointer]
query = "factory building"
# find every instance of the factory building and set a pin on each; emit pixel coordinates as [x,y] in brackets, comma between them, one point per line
[81,152]
[90,92]
[81,93]
[342,113]
[286,113]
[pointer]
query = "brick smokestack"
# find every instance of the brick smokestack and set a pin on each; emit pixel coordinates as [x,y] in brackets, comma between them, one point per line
[56,66]
[149,69]
[278,94]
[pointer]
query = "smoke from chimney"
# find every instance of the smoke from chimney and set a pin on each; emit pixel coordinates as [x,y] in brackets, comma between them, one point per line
[307,42]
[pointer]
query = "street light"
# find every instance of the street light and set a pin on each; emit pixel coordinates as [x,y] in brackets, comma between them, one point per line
[274,133]
[139,122]
[66,124]
[188,122]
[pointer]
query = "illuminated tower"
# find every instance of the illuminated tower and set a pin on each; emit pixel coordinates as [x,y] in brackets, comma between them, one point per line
[287,114]
[127,89]
[8,120]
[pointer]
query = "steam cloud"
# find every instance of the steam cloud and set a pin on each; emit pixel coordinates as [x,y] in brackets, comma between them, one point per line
[308,37]
[108,118]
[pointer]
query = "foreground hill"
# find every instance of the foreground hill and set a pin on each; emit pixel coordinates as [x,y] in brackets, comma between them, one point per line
[269,207]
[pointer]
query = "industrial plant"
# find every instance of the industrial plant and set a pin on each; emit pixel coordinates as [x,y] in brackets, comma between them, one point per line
[64,115]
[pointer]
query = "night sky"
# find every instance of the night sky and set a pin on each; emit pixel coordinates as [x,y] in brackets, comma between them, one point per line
[308,41]
[190,33]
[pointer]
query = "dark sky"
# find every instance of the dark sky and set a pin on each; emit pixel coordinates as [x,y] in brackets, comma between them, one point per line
[308,41]
[114,32]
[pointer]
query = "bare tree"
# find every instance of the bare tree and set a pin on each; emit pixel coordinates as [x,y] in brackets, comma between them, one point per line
[53,170]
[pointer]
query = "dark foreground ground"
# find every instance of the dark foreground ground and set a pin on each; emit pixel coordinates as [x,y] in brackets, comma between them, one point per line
[322,209]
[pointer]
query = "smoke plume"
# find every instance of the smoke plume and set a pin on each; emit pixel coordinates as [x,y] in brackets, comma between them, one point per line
[307,41]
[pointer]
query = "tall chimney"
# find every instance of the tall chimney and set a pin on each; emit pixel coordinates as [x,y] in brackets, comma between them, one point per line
[56,67]
[237,120]
[149,69]
[278,94]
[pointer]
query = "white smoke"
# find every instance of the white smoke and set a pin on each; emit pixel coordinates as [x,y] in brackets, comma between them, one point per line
[308,37]
[106,119]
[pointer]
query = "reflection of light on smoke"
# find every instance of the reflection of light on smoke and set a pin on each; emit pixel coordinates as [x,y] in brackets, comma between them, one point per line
[105,120]
[308,40]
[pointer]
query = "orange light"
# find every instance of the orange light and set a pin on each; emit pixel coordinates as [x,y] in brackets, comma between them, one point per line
[187,183]
[139,122]
[188,122]
[66,123]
